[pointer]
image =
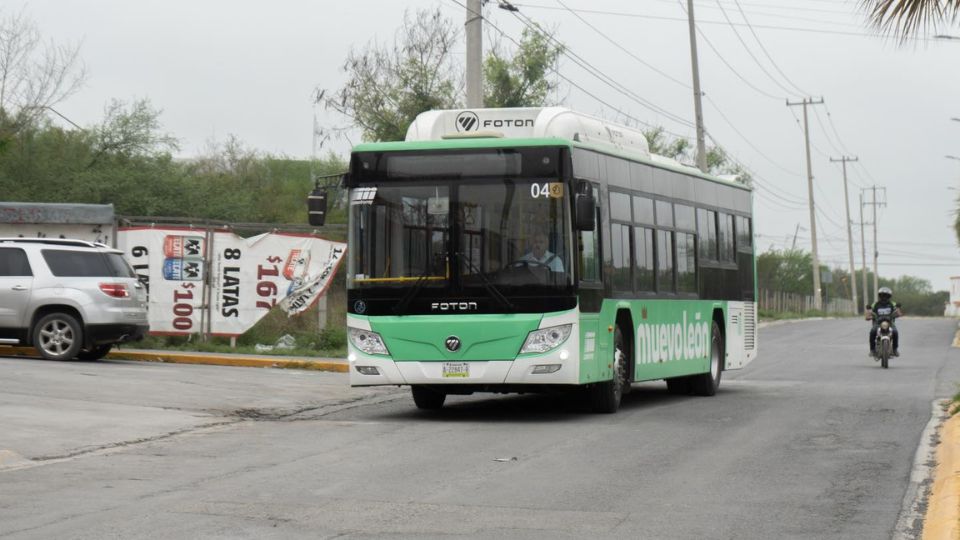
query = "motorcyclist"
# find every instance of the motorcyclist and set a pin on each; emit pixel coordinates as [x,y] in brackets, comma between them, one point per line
[884,307]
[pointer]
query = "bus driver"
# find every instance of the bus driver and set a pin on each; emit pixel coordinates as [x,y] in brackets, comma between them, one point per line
[537,252]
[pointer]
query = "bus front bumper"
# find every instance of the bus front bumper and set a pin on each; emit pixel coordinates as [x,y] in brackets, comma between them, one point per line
[560,366]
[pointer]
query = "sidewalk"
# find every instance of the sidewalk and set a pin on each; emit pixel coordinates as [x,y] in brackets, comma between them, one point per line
[213,359]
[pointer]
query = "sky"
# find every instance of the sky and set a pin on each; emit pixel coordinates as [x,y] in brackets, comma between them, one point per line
[219,68]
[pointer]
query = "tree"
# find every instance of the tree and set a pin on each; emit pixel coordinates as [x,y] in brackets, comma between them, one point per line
[521,79]
[904,18]
[128,131]
[682,150]
[34,76]
[388,87]
[785,271]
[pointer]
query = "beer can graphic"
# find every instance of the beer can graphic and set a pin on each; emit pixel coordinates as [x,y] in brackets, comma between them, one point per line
[179,246]
[176,269]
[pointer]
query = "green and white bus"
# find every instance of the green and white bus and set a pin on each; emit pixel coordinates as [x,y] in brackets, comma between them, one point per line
[535,249]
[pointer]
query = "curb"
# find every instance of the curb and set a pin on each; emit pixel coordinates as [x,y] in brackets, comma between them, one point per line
[942,519]
[211,359]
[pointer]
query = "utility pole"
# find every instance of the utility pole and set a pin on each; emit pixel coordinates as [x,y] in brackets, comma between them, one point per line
[817,301]
[876,254]
[846,202]
[697,106]
[795,233]
[863,253]
[473,28]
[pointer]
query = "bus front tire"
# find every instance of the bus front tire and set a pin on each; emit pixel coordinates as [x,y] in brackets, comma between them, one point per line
[608,394]
[427,399]
[706,384]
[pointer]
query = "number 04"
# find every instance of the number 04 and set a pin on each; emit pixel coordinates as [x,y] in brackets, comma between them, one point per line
[538,190]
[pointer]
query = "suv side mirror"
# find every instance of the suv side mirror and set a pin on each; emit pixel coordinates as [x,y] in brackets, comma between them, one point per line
[585,207]
[317,206]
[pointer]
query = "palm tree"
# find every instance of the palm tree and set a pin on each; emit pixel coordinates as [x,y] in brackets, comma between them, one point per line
[904,18]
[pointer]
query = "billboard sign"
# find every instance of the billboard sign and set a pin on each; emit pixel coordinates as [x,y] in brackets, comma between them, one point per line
[246,277]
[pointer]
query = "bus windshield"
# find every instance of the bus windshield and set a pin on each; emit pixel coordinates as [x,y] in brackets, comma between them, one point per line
[451,233]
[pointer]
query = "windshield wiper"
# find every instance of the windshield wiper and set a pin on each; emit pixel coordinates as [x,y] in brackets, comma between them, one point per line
[488,285]
[401,306]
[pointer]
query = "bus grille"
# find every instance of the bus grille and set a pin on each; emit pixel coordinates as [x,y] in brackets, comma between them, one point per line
[750,326]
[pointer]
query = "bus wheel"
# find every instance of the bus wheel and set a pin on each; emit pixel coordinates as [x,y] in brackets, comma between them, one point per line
[427,399]
[706,384]
[607,395]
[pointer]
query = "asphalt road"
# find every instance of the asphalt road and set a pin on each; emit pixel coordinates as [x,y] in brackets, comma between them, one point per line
[812,440]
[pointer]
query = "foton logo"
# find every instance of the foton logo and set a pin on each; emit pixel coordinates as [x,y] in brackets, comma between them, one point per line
[467,121]
[519,122]
[453,306]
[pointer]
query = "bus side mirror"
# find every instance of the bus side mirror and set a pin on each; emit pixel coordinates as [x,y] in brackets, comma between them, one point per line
[317,206]
[585,206]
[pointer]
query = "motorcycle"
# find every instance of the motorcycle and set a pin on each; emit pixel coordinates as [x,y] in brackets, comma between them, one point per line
[885,341]
[883,345]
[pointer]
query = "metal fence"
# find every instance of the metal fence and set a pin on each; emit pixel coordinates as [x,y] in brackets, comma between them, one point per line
[782,302]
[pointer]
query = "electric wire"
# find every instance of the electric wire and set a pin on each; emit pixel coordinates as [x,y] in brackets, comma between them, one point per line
[746,139]
[567,79]
[764,26]
[765,51]
[596,72]
[750,52]
[724,61]
[624,49]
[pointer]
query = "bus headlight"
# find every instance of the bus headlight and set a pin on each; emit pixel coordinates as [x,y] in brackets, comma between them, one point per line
[546,339]
[367,341]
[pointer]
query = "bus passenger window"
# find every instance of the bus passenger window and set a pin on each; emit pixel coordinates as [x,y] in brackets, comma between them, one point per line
[744,235]
[707,231]
[725,237]
[686,264]
[620,246]
[643,257]
[665,261]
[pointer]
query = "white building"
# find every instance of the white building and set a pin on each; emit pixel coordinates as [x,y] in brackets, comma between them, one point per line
[952,309]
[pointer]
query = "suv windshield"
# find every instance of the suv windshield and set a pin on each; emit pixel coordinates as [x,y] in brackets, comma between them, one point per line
[68,263]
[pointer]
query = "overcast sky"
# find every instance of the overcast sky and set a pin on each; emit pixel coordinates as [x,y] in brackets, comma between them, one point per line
[249,69]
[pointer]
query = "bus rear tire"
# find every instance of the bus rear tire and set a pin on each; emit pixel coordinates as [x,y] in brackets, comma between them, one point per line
[608,394]
[427,399]
[706,384]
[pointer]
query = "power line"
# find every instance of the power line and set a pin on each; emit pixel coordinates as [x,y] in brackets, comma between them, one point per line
[718,110]
[764,26]
[765,51]
[624,49]
[826,134]
[716,107]
[749,52]
[567,79]
[603,77]
[730,67]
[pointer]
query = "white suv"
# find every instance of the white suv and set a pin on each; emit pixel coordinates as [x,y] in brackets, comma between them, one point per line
[68,298]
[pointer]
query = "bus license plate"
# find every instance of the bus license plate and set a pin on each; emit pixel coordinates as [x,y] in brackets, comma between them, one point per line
[456,369]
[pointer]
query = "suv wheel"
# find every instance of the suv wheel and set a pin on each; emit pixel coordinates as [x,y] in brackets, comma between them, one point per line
[58,336]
